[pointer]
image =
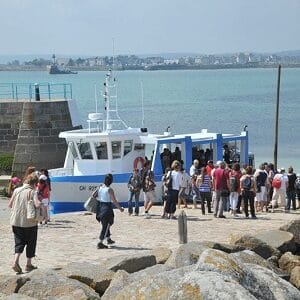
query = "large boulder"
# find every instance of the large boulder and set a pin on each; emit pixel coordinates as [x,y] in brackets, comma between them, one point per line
[281,240]
[295,277]
[250,257]
[44,284]
[288,262]
[11,284]
[130,264]
[161,254]
[265,284]
[294,228]
[186,254]
[218,261]
[92,275]
[121,279]
[256,245]
[179,284]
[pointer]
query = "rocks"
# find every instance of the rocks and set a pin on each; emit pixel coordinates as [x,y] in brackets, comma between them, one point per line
[186,254]
[15,297]
[288,261]
[119,281]
[45,284]
[92,275]
[161,254]
[256,245]
[248,256]
[295,277]
[218,261]
[294,228]
[223,247]
[129,264]
[265,284]
[281,240]
[11,284]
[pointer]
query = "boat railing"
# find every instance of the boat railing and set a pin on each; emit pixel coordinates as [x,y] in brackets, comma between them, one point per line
[35,91]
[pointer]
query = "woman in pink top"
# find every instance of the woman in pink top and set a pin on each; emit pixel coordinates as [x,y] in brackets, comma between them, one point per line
[43,194]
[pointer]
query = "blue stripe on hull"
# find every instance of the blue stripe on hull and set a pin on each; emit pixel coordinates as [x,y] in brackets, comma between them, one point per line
[65,207]
[118,178]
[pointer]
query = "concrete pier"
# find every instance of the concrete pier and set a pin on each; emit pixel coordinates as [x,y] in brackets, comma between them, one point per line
[29,131]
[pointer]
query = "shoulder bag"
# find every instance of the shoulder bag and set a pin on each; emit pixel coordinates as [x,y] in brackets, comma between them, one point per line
[91,204]
[33,213]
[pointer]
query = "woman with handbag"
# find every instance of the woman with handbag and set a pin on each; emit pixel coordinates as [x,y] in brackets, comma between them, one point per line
[105,214]
[23,227]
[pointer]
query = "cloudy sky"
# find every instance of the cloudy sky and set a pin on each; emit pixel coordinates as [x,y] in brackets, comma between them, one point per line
[87,27]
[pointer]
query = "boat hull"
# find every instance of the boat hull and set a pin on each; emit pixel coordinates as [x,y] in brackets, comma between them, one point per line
[68,193]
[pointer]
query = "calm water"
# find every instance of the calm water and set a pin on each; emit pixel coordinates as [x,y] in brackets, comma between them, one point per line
[219,100]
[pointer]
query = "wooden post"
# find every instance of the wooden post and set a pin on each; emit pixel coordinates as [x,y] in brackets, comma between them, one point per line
[276,118]
[182,227]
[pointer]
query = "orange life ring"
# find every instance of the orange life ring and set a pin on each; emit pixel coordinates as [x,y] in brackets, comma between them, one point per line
[138,161]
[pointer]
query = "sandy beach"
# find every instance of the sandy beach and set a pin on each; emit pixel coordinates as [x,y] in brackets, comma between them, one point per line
[73,237]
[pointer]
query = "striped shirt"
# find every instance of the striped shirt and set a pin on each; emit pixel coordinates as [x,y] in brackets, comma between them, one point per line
[205,186]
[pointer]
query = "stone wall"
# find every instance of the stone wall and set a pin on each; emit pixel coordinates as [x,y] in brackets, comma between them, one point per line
[29,130]
[10,119]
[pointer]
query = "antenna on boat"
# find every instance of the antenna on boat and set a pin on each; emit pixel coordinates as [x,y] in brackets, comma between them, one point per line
[142,93]
[95,86]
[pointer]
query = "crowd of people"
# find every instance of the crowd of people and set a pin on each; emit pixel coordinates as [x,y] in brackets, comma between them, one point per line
[35,186]
[217,188]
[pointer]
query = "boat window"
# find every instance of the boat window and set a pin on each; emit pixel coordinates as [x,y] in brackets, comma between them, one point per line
[116,149]
[101,150]
[139,146]
[73,150]
[85,150]
[127,146]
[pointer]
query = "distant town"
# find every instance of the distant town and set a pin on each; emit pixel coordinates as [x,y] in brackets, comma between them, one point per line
[134,62]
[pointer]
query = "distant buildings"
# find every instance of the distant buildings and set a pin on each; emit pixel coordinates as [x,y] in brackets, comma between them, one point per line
[133,62]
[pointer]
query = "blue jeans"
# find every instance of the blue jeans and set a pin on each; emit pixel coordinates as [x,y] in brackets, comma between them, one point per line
[291,197]
[136,198]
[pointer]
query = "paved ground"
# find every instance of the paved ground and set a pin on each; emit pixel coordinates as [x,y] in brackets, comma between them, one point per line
[73,237]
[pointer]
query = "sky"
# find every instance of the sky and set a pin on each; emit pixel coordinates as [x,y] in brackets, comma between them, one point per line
[87,27]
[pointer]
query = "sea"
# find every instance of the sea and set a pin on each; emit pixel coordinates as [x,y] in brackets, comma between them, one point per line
[190,100]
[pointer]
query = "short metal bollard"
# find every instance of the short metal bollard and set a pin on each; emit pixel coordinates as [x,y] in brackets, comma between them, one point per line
[182,227]
[37,92]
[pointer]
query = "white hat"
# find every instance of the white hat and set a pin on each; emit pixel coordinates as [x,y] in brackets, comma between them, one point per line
[218,162]
[43,177]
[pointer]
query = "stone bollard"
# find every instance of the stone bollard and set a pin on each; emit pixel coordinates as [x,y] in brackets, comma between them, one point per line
[37,92]
[182,227]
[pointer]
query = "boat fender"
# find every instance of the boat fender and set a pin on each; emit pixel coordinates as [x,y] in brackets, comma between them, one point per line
[138,163]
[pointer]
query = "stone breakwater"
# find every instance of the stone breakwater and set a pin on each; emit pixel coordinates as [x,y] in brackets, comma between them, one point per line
[249,267]
[224,259]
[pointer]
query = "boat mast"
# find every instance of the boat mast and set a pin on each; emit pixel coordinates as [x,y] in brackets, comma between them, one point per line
[108,98]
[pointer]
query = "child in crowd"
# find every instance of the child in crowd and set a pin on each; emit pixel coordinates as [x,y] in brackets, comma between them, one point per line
[43,194]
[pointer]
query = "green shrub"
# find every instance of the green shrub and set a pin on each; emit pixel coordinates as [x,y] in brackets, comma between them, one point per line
[6,163]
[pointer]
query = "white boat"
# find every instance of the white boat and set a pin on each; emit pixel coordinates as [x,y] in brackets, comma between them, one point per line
[108,145]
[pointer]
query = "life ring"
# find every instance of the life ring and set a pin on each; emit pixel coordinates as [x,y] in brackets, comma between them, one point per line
[138,163]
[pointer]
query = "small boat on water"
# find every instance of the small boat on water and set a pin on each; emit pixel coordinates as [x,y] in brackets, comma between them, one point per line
[108,145]
[55,69]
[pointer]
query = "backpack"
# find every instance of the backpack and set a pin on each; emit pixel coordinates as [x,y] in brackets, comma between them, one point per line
[297,184]
[276,183]
[247,183]
[261,179]
[233,182]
